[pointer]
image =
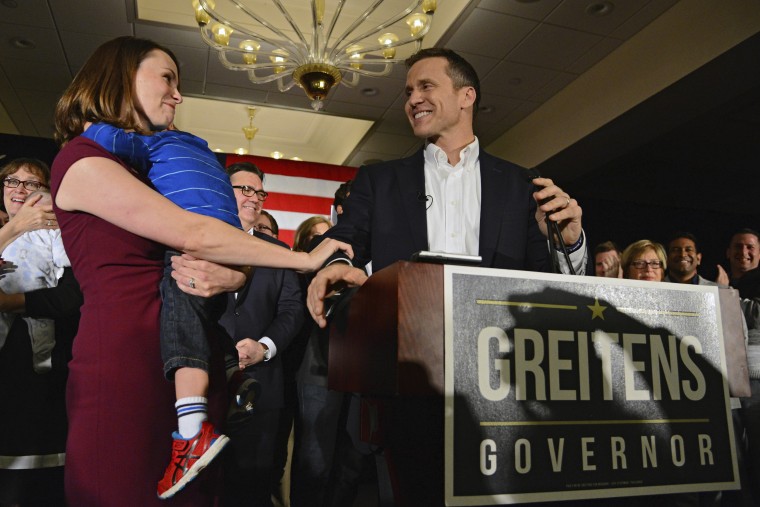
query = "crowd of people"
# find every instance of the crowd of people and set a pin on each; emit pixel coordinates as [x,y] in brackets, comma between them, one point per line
[177,329]
[678,261]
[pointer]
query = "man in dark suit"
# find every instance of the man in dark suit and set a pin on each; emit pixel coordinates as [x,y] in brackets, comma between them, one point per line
[262,319]
[451,197]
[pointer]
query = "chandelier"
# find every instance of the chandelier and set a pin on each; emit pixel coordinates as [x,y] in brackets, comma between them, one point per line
[312,56]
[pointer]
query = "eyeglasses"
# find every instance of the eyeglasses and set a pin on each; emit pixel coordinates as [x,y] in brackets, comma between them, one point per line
[30,185]
[249,191]
[263,228]
[641,264]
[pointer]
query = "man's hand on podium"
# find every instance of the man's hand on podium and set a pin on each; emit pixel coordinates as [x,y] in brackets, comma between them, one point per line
[333,278]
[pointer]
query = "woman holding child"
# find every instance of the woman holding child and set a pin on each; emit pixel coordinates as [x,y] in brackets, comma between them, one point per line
[116,229]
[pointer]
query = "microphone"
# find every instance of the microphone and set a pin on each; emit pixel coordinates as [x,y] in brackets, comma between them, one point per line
[532,175]
[422,197]
[553,226]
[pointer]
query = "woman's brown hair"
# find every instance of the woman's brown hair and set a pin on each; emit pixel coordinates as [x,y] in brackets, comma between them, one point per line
[303,234]
[103,89]
[31,165]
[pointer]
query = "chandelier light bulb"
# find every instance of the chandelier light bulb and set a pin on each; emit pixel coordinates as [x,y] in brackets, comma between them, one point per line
[222,34]
[280,57]
[250,47]
[429,6]
[388,39]
[354,54]
[201,16]
[417,23]
[250,132]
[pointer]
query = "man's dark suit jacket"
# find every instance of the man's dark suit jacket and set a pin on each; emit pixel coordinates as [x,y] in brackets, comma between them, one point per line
[384,216]
[270,304]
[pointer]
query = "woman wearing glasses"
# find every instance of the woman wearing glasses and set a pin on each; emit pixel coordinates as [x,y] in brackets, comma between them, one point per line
[644,260]
[33,426]
[20,178]
[116,229]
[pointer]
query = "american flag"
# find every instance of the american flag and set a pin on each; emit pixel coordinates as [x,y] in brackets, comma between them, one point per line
[297,190]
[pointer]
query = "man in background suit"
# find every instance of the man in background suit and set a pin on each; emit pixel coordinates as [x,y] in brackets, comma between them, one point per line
[262,319]
[450,196]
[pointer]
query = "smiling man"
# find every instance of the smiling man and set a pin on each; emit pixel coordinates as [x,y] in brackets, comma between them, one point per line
[451,196]
[248,182]
[683,260]
[743,254]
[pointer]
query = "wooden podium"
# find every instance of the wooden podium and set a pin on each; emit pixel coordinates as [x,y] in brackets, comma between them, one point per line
[388,346]
[392,342]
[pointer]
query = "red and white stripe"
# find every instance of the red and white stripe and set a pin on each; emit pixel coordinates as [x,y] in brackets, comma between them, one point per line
[297,190]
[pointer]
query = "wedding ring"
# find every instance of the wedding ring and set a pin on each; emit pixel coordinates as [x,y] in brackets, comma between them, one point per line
[568,202]
[191,283]
[49,223]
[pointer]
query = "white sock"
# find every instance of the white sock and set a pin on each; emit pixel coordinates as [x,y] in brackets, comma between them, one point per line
[191,412]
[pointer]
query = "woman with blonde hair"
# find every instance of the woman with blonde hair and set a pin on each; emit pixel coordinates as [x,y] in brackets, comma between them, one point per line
[644,260]
[312,226]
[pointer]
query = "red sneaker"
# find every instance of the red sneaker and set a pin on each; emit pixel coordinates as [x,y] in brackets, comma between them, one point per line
[189,457]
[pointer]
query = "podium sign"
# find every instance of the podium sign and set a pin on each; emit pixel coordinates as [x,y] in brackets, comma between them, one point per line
[561,387]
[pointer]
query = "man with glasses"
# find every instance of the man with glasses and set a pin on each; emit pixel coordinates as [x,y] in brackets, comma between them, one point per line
[263,319]
[266,224]
[248,182]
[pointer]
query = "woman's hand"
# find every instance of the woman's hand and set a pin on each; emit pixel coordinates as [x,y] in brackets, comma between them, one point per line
[204,278]
[28,218]
[324,251]
[32,218]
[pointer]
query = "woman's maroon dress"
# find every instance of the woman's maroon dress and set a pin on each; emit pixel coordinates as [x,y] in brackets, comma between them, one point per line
[120,406]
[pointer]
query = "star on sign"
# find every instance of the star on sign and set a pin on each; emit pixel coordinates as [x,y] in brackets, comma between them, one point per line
[597,310]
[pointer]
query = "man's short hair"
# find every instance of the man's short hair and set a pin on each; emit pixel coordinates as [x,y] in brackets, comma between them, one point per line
[746,230]
[459,70]
[685,235]
[342,193]
[247,167]
[275,227]
[607,246]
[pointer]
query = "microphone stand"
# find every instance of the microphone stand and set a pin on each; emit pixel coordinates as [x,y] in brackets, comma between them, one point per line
[553,228]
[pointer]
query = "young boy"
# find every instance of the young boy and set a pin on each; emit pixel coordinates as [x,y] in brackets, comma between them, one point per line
[184,170]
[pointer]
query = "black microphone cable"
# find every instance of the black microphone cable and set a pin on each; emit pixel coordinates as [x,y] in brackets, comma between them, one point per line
[553,228]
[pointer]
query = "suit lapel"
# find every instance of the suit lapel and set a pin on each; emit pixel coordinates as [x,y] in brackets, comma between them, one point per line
[411,177]
[492,189]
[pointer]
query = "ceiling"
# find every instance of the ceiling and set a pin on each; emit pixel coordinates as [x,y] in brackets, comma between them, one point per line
[579,88]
